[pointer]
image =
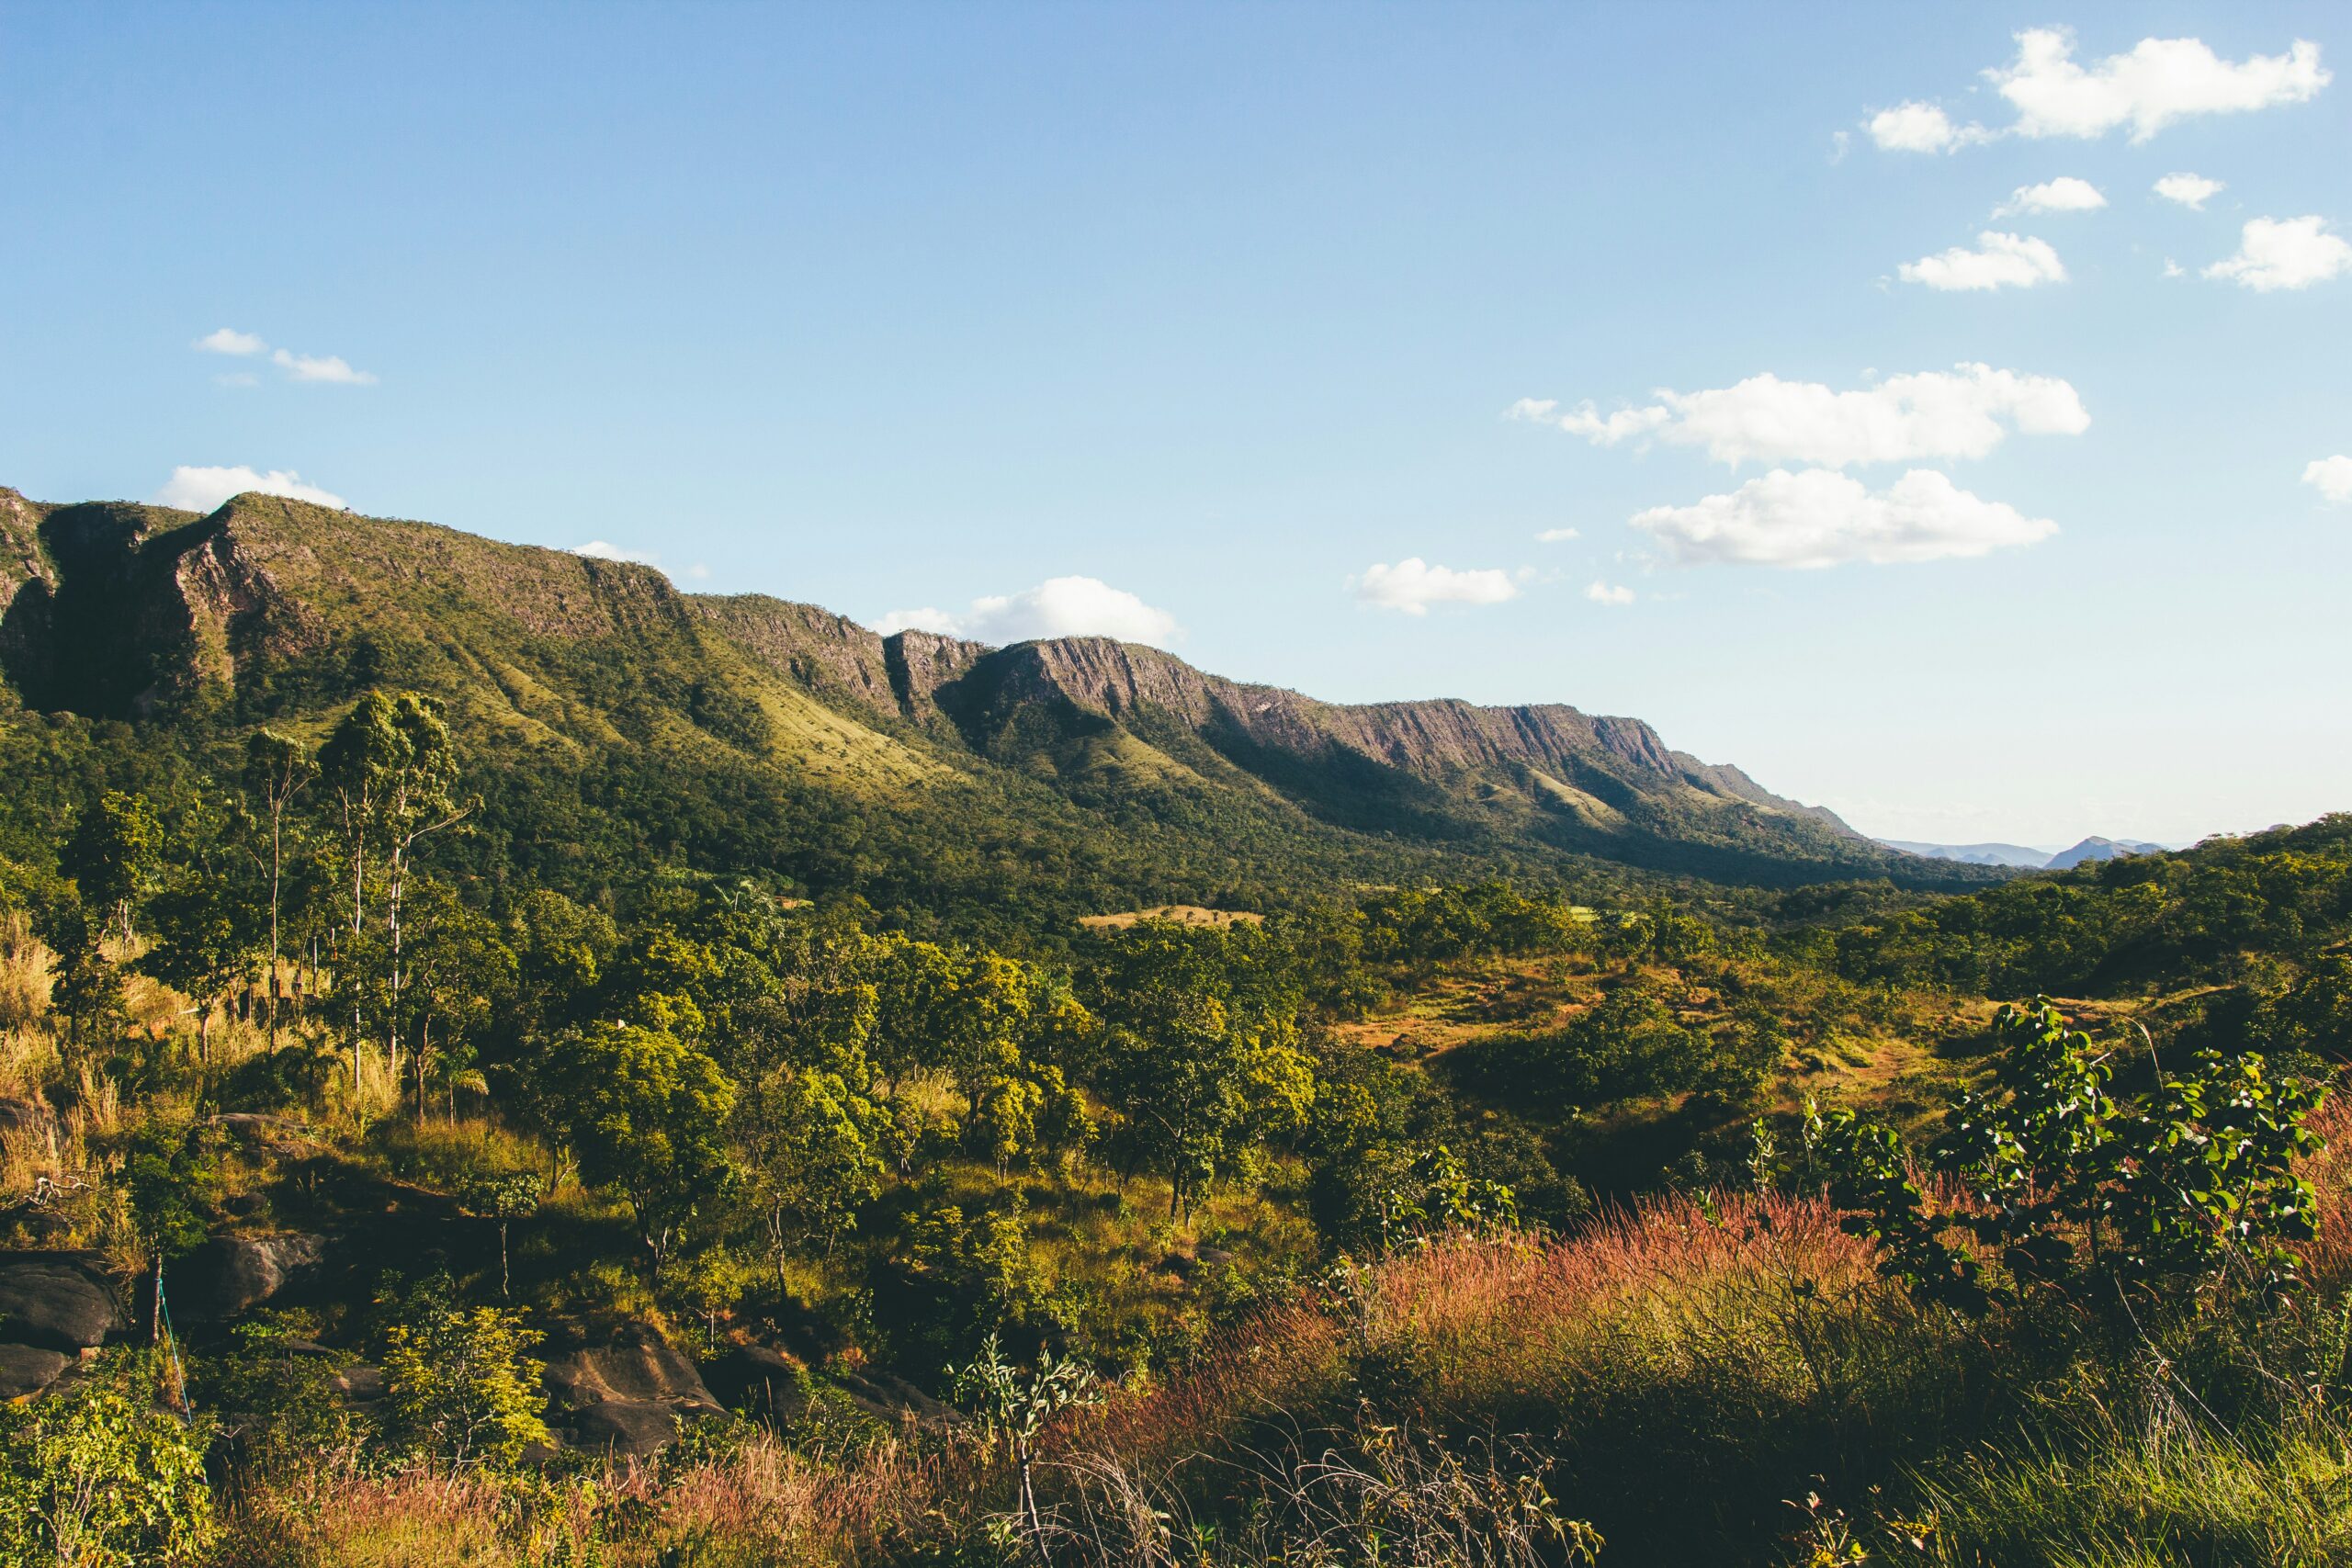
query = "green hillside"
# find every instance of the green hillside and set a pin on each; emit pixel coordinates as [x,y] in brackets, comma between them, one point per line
[618,727]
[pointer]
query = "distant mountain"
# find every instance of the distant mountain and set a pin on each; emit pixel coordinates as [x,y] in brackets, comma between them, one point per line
[1975,854]
[2026,859]
[630,725]
[2102,849]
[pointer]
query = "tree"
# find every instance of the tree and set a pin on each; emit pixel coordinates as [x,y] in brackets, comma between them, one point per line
[2069,1186]
[203,943]
[1013,1406]
[1200,1061]
[461,1387]
[98,1475]
[111,854]
[278,768]
[393,772]
[807,1150]
[460,972]
[645,1113]
[171,1177]
[502,1196]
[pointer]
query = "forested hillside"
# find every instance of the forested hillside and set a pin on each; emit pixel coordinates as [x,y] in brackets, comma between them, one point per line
[504,1062]
[614,726]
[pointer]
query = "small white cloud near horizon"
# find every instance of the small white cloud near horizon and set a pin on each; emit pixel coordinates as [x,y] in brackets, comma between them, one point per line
[2292,252]
[1962,413]
[229,340]
[1915,127]
[328,367]
[2192,191]
[1060,606]
[1412,585]
[1605,594]
[1820,518]
[197,489]
[1556,535]
[1999,261]
[601,549]
[2332,477]
[2065,194]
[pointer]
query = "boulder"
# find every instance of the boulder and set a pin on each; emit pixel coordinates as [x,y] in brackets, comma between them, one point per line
[28,1368]
[758,1382]
[57,1300]
[232,1274]
[621,1388]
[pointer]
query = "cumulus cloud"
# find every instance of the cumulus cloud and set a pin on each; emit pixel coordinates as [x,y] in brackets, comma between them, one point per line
[2065,194]
[2191,191]
[193,488]
[229,340]
[1919,127]
[330,367]
[1999,261]
[1606,593]
[2159,82]
[1818,518]
[1412,585]
[1962,413]
[1060,606]
[2292,252]
[1556,535]
[2332,477]
[600,549]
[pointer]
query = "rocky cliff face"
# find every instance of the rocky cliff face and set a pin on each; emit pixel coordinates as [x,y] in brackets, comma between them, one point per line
[117,610]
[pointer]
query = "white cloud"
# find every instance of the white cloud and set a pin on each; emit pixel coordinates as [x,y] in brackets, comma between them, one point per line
[320,367]
[2292,252]
[1999,261]
[1603,593]
[229,340]
[1820,518]
[2332,477]
[2065,194]
[1412,585]
[1963,413]
[2191,191]
[1920,128]
[203,490]
[1060,606]
[926,619]
[599,549]
[1556,535]
[2159,82]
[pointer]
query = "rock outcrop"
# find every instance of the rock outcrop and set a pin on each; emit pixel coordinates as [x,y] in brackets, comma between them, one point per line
[232,1274]
[57,1300]
[620,1388]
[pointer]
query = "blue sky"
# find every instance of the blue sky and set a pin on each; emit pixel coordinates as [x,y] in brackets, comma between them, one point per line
[1206,323]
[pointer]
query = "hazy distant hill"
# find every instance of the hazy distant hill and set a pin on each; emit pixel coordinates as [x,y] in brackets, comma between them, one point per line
[1975,854]
[641,724]
[2024,858]
[2102,849]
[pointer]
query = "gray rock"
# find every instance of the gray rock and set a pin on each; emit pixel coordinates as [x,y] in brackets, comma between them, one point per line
[622,1388]
[57,1300]
[758,1382]
[232,1274]
[28,1368]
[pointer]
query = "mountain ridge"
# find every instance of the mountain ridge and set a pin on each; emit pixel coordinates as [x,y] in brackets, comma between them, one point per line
[118,610]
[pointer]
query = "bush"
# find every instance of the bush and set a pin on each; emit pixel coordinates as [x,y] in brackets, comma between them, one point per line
[98,1477]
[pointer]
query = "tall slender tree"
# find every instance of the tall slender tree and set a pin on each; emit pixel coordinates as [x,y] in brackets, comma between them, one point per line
[277,769]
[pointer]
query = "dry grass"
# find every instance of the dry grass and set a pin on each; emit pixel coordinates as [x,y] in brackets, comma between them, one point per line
[1175,914]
